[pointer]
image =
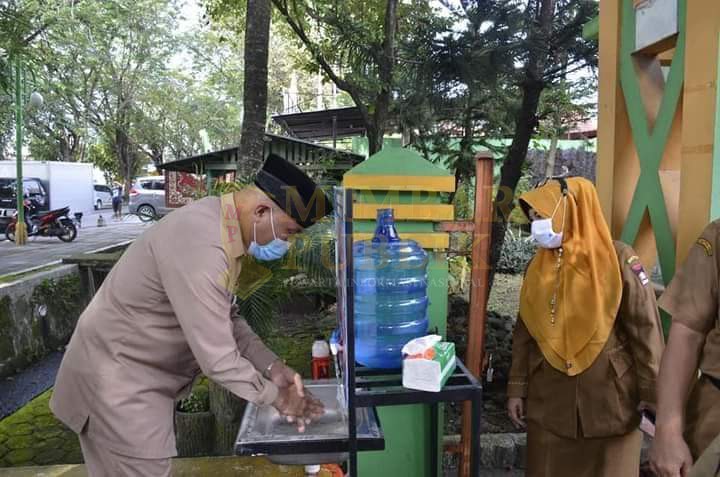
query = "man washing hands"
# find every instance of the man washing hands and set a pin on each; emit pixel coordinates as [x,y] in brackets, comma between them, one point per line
[297,404]
[164,314]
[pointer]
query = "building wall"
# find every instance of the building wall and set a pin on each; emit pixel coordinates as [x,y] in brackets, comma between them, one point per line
[657,129]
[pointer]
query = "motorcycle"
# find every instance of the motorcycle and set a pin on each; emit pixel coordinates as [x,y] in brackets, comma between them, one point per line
[54,223]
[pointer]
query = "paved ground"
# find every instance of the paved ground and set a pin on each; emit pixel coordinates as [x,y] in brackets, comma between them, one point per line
[44,250]
[18,390]
[216,466]
[199,467]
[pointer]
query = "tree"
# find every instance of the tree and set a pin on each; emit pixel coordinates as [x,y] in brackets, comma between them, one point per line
[347,47]
[99,60]
[458,93]
[554,49]
[561,107]
[21,23]
[257,39]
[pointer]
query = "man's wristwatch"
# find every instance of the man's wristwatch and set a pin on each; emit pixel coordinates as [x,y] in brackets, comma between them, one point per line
[266,373]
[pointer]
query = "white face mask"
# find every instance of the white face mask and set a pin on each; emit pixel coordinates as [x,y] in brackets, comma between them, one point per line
[542,233]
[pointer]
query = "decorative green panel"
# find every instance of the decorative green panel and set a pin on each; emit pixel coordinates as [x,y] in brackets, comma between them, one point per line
[401,226]
[397,161]
[650,145]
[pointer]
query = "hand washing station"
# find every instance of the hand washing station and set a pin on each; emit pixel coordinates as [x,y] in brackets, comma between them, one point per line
[265,432]
[371,421]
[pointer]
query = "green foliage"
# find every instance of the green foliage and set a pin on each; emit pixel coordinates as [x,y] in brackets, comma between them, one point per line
[566,104]
[286,59]
[102,157]
[32,436]
[312,257]
[198,400]
[460,269]
[466,86]
[464,201]
[516,254]
[121,76]
[269,291]
[308,269]
[62,296]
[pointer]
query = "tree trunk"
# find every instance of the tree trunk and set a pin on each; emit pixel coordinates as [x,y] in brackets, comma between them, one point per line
[466,157]
[125,157]
[65,154]
[375,139]
[376,130]
[511,170]
[525,125]
[257,37]
[193,433]
[552,154]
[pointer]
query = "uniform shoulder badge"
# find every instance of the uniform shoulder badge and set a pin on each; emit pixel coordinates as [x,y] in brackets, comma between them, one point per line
[637,268]
[706,245]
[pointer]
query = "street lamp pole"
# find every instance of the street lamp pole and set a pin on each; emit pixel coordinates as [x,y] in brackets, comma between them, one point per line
[20,229]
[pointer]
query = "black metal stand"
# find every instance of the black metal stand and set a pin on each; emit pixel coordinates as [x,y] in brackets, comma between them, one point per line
[369,388]
[377,388]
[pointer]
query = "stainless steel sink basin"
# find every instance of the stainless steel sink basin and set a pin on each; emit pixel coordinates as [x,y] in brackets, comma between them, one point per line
[264,432]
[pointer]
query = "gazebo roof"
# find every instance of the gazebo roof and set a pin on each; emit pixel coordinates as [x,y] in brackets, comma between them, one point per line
[306,155]
[323,124]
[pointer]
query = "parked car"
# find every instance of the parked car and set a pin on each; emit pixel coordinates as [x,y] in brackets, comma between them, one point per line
[102,197]
[147,197]
[33,188]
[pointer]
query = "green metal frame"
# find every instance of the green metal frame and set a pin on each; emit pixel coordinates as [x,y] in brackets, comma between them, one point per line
[651,144]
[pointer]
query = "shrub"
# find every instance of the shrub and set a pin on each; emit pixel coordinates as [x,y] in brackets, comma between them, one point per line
[197,401]
[459,275]
[516,253]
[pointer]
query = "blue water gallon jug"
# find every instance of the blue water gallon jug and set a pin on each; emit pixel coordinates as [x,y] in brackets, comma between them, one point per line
[391,302]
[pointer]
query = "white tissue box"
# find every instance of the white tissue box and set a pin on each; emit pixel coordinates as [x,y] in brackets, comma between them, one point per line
[430,370]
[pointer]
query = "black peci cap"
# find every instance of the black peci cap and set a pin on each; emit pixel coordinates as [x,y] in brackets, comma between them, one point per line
[293,190]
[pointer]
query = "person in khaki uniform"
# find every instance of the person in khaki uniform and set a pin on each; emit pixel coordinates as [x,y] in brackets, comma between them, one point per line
[687,423]
[587,344]
[163,315]
[708,465]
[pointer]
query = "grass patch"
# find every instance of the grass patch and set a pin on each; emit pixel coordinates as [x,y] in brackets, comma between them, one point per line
[33,436]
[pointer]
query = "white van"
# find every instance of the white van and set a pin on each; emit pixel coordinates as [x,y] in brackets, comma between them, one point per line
[102,197]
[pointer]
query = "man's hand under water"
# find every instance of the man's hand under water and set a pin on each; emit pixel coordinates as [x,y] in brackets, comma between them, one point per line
[298,406]
[294,402]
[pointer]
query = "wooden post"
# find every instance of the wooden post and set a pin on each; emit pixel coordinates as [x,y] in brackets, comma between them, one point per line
[478,289]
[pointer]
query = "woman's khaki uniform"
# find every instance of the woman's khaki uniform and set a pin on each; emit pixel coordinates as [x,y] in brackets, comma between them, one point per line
[708,465]
[584,422]
[692,300]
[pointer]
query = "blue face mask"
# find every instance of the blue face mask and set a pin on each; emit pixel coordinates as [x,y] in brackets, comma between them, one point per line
[273,250]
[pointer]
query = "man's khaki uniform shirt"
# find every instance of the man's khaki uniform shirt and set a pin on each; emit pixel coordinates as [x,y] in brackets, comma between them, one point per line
[162,316]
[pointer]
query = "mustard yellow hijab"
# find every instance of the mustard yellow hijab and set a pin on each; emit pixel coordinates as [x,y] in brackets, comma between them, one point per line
[589,290]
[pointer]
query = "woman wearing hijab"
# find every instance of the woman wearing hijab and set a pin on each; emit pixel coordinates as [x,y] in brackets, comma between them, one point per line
[588,341]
